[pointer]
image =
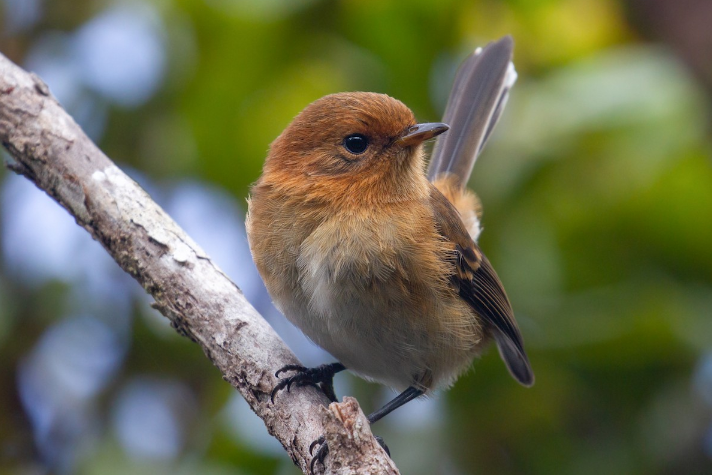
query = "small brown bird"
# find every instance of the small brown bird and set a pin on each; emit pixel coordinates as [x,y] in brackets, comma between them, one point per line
[374,259]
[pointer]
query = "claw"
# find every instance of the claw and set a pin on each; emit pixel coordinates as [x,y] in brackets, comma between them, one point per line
[323,451]
[289,367]
[279,386]
[274,391]
[284,382]
[381,442]
[318,441]
[320,454]
[319,377]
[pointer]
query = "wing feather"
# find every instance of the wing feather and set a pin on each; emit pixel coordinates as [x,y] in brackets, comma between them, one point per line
[477,283]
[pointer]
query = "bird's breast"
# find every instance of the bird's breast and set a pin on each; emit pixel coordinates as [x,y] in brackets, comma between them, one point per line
[372,288]
[344,261]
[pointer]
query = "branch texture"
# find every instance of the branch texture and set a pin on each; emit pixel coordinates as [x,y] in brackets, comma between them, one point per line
[51,150]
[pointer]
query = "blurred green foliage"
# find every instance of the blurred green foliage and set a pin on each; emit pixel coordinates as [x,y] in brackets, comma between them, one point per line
[597,190]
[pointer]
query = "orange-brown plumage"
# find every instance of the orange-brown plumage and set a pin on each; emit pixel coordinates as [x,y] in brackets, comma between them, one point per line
[367,223]
[307,157]
[371,260]
[361,251]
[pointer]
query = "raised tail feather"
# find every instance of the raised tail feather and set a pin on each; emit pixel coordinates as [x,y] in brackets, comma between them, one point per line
[476,101]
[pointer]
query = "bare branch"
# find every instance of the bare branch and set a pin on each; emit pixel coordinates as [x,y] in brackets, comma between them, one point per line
[359,452]
[51,150]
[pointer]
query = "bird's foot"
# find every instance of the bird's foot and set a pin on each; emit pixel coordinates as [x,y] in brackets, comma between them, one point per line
[321,377]
[320,454]
[323,450]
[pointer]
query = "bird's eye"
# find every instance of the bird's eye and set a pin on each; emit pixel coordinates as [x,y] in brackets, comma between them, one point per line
[356,143]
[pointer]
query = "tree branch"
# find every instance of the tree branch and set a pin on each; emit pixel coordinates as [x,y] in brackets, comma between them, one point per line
[51,150]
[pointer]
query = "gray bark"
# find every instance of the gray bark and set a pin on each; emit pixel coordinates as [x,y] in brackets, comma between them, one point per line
[51,150]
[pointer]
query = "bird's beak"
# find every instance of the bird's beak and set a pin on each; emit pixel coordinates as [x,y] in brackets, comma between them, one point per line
[420,133]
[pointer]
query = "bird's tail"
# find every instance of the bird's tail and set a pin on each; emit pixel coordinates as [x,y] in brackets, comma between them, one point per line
[476,101]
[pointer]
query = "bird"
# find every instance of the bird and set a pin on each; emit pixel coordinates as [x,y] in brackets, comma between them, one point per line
[373,256]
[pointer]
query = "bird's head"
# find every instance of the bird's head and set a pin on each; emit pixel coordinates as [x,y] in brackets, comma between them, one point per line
[363,145]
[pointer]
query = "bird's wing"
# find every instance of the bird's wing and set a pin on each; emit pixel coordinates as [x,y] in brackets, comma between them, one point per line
[478,284]
[476,101]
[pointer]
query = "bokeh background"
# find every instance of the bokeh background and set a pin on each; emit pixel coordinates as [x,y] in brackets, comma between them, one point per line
[597,187]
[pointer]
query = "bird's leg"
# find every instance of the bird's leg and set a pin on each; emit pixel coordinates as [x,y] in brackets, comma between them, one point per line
[408,395]
[404,397]
[321,377]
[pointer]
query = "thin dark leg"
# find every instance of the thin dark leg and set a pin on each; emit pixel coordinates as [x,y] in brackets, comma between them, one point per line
[404,397]
[328,388]
[321,377]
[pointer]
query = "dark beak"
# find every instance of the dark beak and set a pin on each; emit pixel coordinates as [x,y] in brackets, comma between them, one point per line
[420,133]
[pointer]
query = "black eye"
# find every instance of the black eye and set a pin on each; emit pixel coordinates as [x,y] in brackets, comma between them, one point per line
[356,143]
